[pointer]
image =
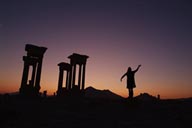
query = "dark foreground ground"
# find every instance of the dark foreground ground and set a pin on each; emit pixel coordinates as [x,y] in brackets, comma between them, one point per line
[94,113]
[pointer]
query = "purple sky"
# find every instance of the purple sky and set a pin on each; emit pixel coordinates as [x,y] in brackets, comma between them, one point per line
[115,34]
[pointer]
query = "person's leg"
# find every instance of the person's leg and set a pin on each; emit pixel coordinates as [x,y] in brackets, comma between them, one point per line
[130,93]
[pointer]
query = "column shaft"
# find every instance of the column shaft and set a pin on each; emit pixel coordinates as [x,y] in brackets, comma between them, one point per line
[70,78]
[60,82]
[25,75]
[38,76]
[67,81]
[83,78]
[74,74]
[79,79]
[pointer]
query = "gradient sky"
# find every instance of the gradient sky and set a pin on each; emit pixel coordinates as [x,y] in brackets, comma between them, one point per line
[115,34]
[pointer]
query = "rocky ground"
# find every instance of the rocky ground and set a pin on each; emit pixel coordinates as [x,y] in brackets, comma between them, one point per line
[93,113]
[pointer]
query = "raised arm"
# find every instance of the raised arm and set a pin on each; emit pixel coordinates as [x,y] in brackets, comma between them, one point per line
[137,68]
[123,76]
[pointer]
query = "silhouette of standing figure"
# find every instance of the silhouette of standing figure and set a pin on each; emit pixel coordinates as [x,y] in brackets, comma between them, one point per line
[130,80]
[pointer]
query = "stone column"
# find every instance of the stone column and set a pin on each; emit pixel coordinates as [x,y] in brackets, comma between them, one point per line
[83,79]
[79,79]
[25,73]
[74,74]
[67,81]
[70,78]
[38,76]
[60,83]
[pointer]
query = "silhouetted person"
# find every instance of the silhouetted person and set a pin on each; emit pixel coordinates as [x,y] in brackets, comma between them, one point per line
[130,80]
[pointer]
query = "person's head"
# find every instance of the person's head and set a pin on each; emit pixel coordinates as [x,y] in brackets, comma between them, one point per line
[129,69]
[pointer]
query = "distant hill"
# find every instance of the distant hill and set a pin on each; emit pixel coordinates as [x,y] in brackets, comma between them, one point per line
[146,97]
[107,94]
[104,94]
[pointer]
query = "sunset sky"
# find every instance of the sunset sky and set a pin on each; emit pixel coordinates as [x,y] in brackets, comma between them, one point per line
[115,34]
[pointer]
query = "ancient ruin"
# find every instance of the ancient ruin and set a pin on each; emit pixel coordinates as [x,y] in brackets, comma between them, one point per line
[33,60]
[63,67]
[71,87]
[30,83]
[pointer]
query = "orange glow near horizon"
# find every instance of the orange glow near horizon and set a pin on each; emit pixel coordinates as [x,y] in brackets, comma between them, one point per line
[100,81]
